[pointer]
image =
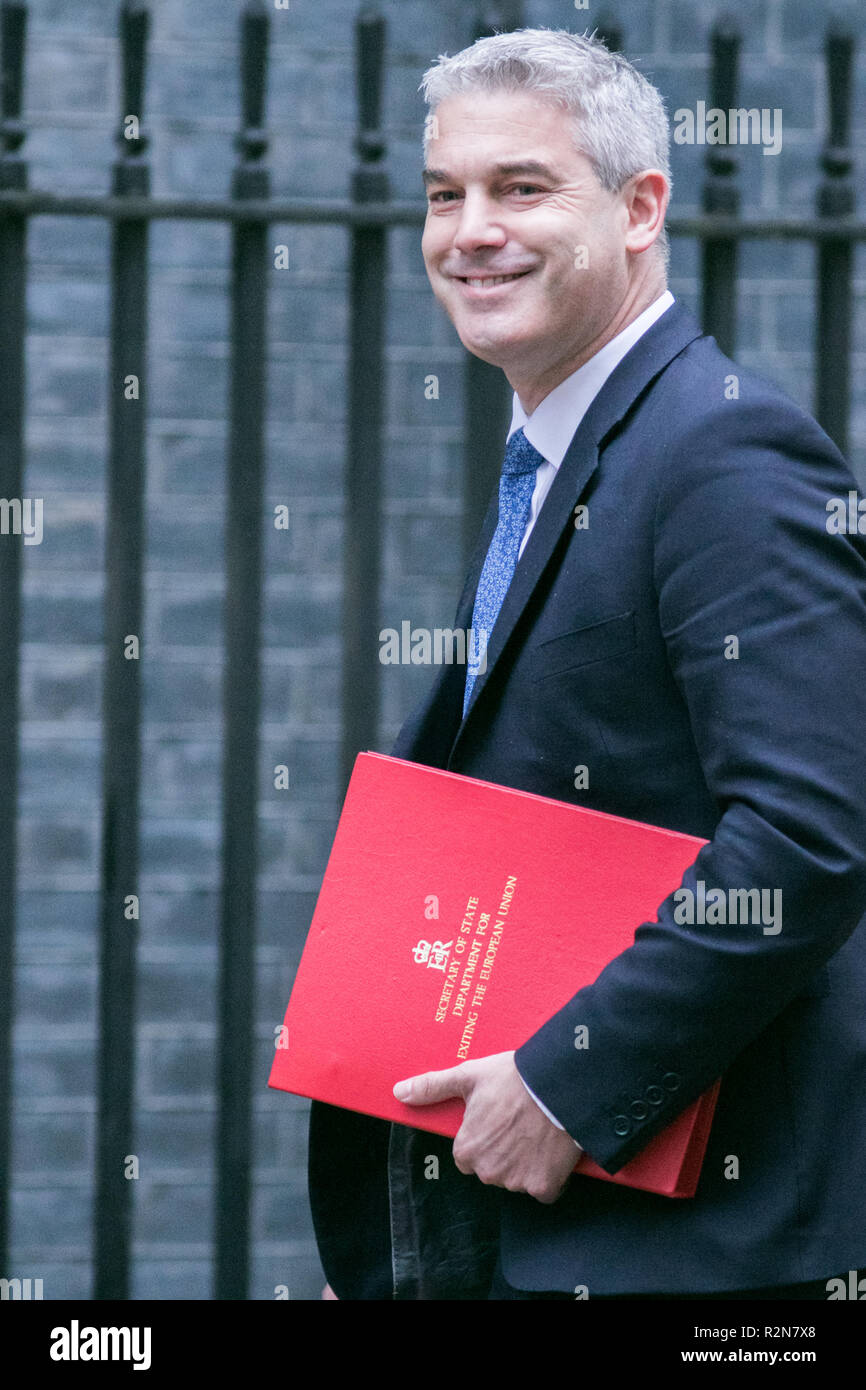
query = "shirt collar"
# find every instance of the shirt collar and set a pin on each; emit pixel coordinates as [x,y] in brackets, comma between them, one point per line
[552,425]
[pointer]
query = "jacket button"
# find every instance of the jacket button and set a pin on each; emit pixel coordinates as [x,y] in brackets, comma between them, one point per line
[639,1110]
[621,1125]
[671,1081]
[654,1095]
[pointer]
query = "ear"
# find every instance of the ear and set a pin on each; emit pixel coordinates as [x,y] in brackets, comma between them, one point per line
[645,198]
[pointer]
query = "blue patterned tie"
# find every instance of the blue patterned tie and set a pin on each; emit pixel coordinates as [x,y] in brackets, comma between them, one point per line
[516,486]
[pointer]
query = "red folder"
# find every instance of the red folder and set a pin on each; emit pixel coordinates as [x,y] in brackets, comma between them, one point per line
[454,919]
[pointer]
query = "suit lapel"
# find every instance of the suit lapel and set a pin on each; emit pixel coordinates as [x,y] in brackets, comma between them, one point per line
[434,721]
[667,337]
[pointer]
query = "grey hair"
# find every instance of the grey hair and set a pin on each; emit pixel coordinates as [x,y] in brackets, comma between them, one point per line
[619,121]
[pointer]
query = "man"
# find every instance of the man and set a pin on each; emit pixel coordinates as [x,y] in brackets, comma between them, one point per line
[671,617]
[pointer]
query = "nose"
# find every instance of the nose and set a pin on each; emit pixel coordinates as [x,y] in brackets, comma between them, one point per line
[479,223]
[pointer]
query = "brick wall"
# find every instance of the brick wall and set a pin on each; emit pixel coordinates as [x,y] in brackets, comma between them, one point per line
[191,113]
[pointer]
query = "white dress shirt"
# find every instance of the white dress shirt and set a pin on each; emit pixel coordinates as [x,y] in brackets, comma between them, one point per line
[552,425]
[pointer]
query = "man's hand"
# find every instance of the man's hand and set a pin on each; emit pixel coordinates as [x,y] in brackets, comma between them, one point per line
[505,1139]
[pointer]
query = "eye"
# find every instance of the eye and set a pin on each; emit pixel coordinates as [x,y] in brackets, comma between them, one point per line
[437,197]
[531,187]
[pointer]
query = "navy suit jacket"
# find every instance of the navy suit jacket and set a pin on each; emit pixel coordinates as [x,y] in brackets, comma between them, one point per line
[706,491]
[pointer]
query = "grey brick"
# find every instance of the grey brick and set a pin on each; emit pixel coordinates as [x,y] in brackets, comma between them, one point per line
[319,249]
[47,1219]
[63,686]
[58,462]
[312,770]
[424,464]
[198,165]
[176,244]
[307,387]
[181,688]
[72,537]
[62,1280]
[305,461]
[79,242]
[410,404]
[174,1213]
[187,464]
[183,535]
[54,304]
[47,1067]
[181,775]
[66,384]
[188,917]
[171,1280]
[178,1067]
[74,163]
[427,544]
[320,95]
[304,613]
[792,318]
[48,995]
[50,844]
[306,694]
[193,87]
[803,26]
[88,17]
[295,841]
[57,920]
[53,1144]
[299,312]
[63,78]
[284,917]
[281,1214]
[49,767]
[300,1273]
[280,1136]
[180,377]
[194,620]
[690,23]
[184,310]
[791,86]
[178,1140]
[183,19]
[175,991]
[311,544]
[179,846]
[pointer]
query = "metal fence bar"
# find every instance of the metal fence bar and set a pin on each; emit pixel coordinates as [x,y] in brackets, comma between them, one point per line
[399,213]
[721,196]
[121,759]
[13,337]
[835,268]
[364,424]
[242,677]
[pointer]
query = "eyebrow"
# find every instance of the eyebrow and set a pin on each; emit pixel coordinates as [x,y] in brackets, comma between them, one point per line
[503,170]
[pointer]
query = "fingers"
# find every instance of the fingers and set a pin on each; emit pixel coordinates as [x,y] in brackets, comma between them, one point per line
[433,1086]
[544,1189]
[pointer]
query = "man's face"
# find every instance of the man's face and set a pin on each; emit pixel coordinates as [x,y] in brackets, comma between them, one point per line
[508,193]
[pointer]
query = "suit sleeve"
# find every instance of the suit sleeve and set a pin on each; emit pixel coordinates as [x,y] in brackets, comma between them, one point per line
[744,549]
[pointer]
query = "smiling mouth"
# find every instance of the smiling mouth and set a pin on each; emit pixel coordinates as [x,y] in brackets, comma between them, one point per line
[485,282]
